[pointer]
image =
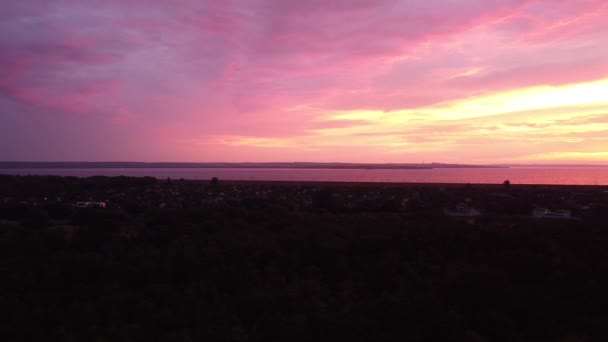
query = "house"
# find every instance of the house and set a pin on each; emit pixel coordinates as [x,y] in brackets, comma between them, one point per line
[554,214]
[90,204]
[462,211]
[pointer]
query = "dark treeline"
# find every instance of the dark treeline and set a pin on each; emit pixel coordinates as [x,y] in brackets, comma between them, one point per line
[172,260]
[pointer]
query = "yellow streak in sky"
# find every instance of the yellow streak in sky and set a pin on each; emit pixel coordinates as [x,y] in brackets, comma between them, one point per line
[592,93]
[520,100]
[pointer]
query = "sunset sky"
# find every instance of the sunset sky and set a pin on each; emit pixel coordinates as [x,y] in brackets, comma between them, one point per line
[465,81]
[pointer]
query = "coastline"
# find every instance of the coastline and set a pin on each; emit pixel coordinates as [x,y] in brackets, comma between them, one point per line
[246,165]
[337,184]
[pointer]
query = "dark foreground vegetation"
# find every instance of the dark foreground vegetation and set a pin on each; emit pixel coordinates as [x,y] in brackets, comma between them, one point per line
[171,260]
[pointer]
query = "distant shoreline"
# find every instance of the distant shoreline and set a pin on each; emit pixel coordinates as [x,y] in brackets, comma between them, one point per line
[298,165]
[498,186]
[366,184]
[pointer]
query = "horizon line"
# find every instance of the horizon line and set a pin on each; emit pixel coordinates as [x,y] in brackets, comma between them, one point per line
[310,162]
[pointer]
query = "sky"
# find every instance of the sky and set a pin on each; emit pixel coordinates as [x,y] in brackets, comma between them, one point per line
[380,81]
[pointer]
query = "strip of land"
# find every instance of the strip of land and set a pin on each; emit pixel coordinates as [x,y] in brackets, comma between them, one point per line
[286,165]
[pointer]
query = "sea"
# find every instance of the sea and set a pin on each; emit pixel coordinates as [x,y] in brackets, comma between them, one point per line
[516,175]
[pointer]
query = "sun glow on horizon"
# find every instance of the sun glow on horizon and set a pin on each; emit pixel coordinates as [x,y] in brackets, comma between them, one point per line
[568,115]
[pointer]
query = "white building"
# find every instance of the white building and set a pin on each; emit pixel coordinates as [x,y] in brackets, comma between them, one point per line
[90,204]
[555,214]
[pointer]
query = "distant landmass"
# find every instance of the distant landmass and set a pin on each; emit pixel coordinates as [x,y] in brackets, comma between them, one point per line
[293,165]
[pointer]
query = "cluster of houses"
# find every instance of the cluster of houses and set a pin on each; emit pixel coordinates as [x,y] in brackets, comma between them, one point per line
[461,210]
[551,203]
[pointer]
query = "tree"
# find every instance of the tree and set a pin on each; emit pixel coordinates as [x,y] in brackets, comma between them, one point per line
[215,182]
